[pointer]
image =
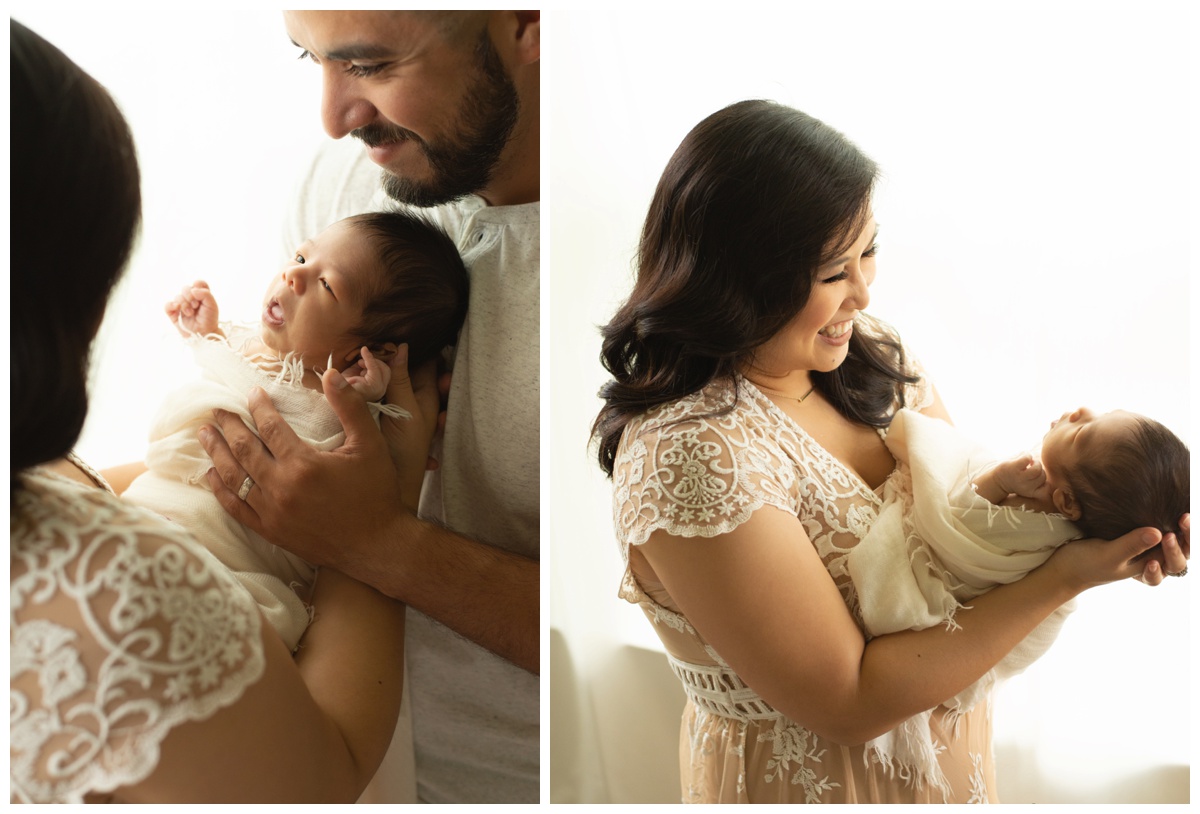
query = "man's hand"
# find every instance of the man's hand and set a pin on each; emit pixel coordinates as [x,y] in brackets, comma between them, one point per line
[328,507]
[194,311]
[424,395]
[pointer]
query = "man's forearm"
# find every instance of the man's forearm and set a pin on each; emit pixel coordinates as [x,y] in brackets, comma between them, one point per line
[486,594]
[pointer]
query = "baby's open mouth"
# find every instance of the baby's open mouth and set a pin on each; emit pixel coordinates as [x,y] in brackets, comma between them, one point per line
[273,313]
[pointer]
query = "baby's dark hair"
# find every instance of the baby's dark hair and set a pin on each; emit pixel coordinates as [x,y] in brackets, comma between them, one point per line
[419,295]
[1141,480]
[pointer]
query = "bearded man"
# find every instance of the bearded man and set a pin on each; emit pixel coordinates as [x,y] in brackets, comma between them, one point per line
[443,111]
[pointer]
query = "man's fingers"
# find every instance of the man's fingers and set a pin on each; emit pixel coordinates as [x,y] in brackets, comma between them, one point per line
[239,509]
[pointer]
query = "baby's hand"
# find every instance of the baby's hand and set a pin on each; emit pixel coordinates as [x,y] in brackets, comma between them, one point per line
[1022,476]
[194,311]
[369,376]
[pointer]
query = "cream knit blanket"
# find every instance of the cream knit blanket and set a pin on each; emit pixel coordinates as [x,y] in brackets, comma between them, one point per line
[176,486]
[936,545]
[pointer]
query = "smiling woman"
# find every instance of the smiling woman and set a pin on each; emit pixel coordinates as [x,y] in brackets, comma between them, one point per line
[1010,227]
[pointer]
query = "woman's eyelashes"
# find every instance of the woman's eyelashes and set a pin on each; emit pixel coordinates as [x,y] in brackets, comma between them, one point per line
[842,275]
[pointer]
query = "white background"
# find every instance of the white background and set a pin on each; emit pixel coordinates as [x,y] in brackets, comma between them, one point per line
[224,119]
[1035,247]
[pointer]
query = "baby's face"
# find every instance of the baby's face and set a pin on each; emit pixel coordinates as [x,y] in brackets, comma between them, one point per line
[1078,432]
[312,306]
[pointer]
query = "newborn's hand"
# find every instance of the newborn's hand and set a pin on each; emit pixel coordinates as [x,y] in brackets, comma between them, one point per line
[194,311]
[368,376]
[1022,476]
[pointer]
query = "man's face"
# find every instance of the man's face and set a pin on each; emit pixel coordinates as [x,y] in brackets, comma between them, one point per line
[434,110]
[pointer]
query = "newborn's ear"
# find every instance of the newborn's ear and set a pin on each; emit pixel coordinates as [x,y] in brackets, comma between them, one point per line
[1066,504]
[384,352]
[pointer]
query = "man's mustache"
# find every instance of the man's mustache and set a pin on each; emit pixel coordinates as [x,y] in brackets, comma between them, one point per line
[374,135]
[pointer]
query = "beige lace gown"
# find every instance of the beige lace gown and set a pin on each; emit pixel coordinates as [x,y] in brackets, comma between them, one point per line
[684,470]
[121,628]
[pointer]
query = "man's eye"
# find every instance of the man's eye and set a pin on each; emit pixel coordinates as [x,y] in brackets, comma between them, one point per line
[364,70]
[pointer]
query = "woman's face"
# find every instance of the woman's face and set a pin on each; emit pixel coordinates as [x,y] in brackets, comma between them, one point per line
[817,338]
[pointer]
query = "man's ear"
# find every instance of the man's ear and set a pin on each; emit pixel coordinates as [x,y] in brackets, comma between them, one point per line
[1064,501]
[523,29]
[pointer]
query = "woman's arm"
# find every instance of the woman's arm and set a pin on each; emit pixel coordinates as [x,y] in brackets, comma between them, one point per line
[761,596]
[312,730]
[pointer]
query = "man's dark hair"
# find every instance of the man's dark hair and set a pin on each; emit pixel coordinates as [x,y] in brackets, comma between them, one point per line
[1141,480]
[419,295]
[76,207]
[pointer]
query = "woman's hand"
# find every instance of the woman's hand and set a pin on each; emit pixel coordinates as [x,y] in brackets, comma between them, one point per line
[194,311]
[1084,564]
[1171,558]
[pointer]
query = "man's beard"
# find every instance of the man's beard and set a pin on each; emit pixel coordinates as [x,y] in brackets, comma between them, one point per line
[462,163]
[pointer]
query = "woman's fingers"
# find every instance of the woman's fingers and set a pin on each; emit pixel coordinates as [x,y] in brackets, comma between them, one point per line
[1174,558]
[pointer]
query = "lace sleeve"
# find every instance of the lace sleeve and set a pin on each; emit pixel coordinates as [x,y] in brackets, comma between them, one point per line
[919,395]
[121,628]
[694,472]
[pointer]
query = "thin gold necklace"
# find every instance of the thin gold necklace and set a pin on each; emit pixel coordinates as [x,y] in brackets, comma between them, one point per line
[797,399]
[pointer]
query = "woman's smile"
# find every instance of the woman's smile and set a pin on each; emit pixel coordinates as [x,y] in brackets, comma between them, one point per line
[838,333]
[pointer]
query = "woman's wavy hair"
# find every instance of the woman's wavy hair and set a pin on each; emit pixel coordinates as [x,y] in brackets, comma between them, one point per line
[76,207]
[755,199]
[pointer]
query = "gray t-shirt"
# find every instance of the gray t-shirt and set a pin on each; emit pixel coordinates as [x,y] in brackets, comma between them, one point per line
[475,715]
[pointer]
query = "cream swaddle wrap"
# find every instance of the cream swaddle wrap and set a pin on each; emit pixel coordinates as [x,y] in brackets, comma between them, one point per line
[936,545]
[176,487]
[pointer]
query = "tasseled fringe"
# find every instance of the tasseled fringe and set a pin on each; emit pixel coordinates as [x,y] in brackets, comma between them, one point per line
[922,767]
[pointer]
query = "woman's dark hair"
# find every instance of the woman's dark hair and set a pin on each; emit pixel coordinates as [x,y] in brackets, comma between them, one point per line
[420,295]
[75,207]
[1141,480]
[754,200]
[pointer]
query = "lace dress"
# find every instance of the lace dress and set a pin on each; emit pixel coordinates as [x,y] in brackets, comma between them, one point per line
[686,469]
[121,628]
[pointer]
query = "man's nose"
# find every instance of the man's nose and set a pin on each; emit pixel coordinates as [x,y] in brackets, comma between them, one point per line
[342,108]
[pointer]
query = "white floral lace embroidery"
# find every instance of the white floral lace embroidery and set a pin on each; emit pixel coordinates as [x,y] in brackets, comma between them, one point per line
[700,467]
[120,629]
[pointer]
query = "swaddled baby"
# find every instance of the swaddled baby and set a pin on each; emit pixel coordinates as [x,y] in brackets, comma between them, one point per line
[348,297]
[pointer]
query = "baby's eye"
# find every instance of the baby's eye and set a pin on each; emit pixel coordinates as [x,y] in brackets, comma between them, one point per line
[327,288]
[300,259]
